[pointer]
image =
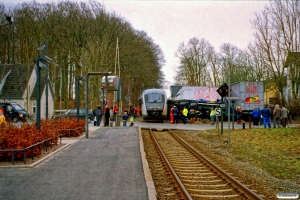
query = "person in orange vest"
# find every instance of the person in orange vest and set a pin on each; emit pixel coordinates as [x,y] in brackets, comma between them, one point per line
[2,117]
[1,111]
[171,115]
[115,110]
[135,111]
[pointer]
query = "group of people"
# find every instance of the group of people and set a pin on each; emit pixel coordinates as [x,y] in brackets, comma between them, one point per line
[109,114]
[183,115]
[175,115]
[266,114]
[129,114]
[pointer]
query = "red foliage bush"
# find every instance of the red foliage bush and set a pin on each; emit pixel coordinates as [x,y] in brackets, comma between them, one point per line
[14,137]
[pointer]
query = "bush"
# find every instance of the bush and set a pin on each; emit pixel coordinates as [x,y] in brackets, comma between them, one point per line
[14,137]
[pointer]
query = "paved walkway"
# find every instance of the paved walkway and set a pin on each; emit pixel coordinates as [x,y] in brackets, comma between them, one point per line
[107,165]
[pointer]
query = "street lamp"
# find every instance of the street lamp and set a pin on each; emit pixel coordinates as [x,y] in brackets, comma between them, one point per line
[41,61]
[45,48]
[79,81]
[9,21]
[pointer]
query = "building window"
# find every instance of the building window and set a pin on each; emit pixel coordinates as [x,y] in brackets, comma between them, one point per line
[34,108]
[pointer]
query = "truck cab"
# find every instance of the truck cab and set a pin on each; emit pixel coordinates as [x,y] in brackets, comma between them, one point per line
[13,111]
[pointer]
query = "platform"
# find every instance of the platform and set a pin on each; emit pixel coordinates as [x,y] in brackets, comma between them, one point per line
[107,165]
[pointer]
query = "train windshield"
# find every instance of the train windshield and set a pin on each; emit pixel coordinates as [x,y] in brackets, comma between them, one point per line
[154,98]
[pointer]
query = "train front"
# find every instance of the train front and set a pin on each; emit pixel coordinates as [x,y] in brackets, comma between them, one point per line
[155,106]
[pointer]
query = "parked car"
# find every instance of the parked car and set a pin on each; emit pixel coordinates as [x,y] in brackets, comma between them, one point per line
[72,113]
[13,111]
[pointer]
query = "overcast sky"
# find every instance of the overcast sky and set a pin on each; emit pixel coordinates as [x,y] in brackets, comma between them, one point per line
[170,23]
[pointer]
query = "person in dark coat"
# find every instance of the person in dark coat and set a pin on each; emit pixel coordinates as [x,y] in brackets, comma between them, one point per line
[106,115]
[175,112]
[98,114]
[256,116]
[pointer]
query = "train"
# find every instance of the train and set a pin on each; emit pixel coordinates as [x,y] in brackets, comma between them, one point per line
[153,105]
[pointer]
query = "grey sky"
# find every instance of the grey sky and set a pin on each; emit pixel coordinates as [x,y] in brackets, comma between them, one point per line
[170,23]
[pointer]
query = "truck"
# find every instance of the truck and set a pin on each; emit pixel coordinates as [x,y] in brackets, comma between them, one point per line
[199,93]
[247,95]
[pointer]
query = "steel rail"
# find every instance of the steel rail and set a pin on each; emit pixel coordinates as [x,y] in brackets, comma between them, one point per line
[243,190]
[181,189]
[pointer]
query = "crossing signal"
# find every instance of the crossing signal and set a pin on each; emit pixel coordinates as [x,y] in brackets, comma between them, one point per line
[223,90]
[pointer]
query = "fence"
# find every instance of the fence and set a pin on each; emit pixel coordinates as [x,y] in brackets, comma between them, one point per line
[44,143]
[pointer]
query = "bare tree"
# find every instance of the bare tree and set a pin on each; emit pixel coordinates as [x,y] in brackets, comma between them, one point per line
[196,63]
[278,33]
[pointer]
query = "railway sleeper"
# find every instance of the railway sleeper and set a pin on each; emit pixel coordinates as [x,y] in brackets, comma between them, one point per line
[196,174]
[217,185]
[205,177]
[216,196]
[214,191]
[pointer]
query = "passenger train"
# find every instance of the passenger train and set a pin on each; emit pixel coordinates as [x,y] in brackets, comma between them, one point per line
[153,105]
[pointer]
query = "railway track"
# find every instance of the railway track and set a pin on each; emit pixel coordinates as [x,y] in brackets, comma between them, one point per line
[194,175]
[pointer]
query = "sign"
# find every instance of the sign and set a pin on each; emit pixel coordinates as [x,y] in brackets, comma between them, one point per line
[218,111]
[223,90]
[102,94]
[222,105]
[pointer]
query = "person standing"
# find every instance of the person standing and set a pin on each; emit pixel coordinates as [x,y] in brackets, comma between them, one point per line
[256,116]
[192,115]
[98,112]
[284,114]
[106,115]
[212,116]
[266,113]
[125,118]
[277,115]
[131,114]
[175,112]
[171,115]
[184,114]
[111,114]
[115,110]
[131,109]
[1,111]
[239,115]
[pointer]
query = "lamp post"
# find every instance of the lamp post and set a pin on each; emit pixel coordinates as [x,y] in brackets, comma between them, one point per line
[45,48]
[79,81]
[41,61]
[103,97]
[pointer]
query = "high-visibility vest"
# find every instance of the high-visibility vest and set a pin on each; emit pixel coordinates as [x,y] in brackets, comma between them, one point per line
[213,113]
[115,109]
[185,112]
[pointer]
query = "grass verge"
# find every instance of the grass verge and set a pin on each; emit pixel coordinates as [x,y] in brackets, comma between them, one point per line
[276,150]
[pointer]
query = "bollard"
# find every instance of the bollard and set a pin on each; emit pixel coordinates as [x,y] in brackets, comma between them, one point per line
[250,122]
[243,124]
